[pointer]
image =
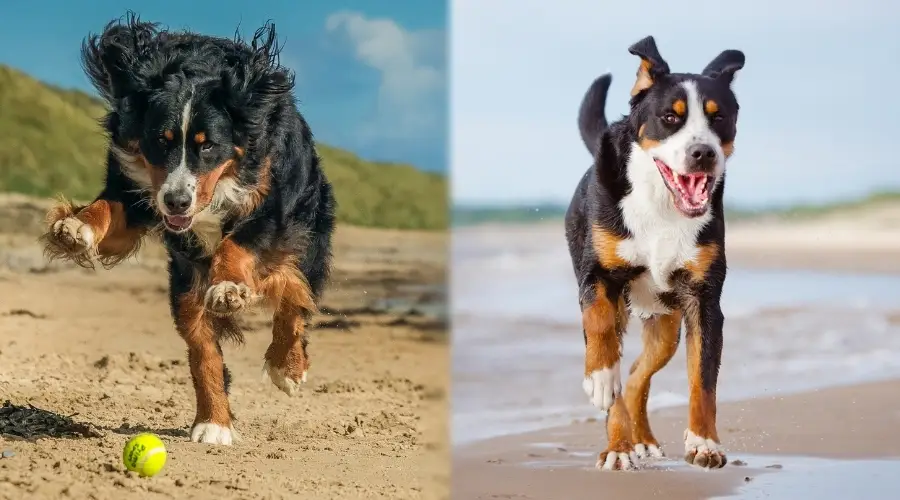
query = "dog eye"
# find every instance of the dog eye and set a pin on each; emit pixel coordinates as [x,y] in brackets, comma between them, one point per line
[206,146]
[162,140]
[717,117]
[670,118]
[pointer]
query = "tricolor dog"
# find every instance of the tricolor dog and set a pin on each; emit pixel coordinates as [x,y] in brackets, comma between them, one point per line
[207,147]
[646,234]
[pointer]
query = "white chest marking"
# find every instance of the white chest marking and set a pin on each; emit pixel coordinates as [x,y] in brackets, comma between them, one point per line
[663,239]
[207,227]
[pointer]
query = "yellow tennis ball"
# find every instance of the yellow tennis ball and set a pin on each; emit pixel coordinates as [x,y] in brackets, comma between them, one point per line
[144,454]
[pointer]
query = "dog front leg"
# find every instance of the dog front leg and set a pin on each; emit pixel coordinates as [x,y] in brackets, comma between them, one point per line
[604,321]
[232,279]
[704,324]
[213,420]
[99,230]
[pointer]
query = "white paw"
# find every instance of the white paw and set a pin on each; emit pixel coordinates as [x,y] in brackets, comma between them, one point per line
[288,385]
[703,453]
[210,433]
[648,451]
[603,386]
[617,461]
[228,297]
[72,235]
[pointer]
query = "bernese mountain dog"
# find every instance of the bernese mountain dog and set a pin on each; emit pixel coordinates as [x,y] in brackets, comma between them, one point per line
[208,148]
[646,234]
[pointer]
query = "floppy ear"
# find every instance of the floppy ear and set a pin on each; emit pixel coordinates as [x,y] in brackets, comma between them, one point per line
[109,58]
[652,67]
[255,84]
[725,65]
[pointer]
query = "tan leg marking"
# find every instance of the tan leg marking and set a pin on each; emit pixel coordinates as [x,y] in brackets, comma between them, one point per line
[603,323]
[701,437]
[660,337]
[212,423]
[232,280]
[99,230]
[619,454]
[286,289]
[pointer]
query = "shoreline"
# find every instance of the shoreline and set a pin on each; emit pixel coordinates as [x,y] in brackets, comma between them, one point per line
[833,245]
[766,434]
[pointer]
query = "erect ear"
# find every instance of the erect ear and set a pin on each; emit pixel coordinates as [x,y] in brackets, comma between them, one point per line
[652,67]
[725,65]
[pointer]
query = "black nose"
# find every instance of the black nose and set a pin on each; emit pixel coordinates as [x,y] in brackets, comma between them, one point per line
[701,157]
[177,202]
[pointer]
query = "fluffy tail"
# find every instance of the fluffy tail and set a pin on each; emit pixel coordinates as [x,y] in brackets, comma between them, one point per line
[591,115]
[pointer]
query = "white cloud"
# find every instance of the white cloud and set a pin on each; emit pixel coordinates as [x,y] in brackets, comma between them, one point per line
[411,95]
[812,126]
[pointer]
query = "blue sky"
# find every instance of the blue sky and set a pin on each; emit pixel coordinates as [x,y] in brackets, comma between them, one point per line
[820,116]
[371,76]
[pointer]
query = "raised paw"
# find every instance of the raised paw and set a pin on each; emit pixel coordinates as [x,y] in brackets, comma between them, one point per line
[70,237]
[210,433]
[703,453]
[617,458]
[227,298]
[648,450]
[288,384]
[603,387]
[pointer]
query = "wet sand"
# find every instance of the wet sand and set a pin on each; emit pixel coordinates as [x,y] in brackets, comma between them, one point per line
[371,422]
[765,438]
[832,443]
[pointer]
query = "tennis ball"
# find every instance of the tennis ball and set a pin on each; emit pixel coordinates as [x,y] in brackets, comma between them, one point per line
[144,454]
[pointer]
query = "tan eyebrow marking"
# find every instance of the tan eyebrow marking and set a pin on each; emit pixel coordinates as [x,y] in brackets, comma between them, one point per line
[711,107]
[679,107]
[200,137]
[169,135]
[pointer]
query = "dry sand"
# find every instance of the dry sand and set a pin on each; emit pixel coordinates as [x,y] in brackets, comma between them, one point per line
[848,422]
[865,239]
[371,422]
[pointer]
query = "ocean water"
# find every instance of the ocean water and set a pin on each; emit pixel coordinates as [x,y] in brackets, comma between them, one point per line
[518,347]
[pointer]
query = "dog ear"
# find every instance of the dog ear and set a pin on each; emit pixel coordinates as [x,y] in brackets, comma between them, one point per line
[109,59]
[725,65]
[652,67]
[255,84]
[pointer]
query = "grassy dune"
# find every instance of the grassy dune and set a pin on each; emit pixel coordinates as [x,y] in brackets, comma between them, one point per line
[51,142]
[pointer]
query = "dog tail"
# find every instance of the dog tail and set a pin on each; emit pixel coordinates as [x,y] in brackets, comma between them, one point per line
[592,115]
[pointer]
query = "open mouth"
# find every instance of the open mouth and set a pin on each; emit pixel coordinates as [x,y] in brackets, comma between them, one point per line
[178,223]
[690,192]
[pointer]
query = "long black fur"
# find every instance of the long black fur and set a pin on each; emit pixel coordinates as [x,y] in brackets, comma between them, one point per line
[133,62]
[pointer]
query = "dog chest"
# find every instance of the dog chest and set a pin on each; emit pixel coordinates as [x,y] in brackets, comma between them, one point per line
[207,230]
[662,242]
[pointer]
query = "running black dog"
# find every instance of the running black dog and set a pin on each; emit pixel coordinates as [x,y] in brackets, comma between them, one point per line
[208,147]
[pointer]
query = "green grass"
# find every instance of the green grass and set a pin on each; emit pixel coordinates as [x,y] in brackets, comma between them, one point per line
[51,142]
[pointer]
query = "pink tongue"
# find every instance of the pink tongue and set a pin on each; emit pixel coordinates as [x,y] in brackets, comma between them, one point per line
[178,220]
[694,186]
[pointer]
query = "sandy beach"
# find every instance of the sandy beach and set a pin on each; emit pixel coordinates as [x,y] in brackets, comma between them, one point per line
[761,437]
[808,389]
[100,345]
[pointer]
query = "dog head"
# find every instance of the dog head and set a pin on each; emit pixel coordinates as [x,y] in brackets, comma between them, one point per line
[686,123]
[188,112]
